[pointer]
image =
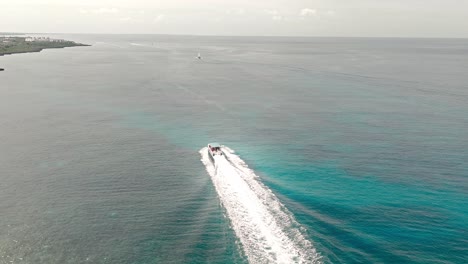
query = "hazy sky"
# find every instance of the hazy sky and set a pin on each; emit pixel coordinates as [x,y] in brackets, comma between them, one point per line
[403,18]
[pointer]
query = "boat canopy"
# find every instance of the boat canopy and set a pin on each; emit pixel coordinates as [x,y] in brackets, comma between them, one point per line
[215,145]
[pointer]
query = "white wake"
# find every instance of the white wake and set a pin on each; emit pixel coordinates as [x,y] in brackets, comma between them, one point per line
[267,230]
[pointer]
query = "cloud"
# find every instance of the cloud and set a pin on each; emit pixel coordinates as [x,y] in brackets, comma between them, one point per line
[239,11]
[275,15]
[271,12]
[308,12]
[277,18]
[102,10]
[235,11]
[158,18]
[106,10]
[125,19]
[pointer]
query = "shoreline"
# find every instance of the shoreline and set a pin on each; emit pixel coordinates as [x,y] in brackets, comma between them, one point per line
[39,50]
[17,45]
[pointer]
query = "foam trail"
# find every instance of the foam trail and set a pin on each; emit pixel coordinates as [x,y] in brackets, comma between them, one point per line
[267,230]
[136,44]
[109,44]
[220,107]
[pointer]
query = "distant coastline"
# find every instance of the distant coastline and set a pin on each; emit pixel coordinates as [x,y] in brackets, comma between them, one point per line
[14,45]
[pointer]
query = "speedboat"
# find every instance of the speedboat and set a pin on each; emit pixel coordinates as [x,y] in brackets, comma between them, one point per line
[214,149]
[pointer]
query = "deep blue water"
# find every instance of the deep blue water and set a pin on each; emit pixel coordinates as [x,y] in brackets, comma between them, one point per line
[364,141]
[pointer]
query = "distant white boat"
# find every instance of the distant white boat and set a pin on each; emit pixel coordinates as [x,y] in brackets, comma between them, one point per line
[199,56]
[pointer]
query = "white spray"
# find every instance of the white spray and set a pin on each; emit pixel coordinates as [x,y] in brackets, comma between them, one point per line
[267,230]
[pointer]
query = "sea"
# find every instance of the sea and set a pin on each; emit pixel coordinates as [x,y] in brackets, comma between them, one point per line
[336,150]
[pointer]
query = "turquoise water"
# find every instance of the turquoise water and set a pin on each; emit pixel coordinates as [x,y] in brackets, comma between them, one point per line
[364,141]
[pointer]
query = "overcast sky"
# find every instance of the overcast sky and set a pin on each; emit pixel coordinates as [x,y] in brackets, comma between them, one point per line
[391,18]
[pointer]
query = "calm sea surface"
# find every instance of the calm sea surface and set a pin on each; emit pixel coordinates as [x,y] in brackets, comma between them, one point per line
[363,144]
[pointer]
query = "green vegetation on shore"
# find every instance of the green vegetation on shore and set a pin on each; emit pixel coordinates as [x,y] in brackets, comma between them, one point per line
[11,45]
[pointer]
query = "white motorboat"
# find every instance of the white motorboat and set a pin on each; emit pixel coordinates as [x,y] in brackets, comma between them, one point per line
[214,149]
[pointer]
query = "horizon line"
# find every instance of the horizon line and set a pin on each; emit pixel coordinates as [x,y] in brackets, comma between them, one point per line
[213,35]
